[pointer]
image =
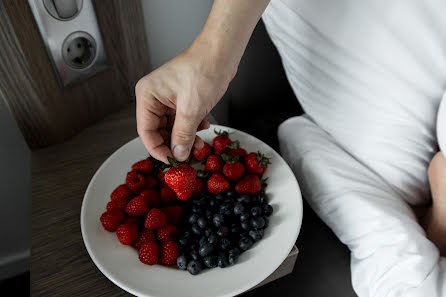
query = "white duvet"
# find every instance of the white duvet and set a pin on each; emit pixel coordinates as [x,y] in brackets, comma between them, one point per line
[370,76]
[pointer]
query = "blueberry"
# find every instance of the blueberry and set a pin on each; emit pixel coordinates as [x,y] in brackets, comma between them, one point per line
[201,222]
[208,232]
[254,199]
[236,229]
[219,197]
[194,255]
[244,234]
[256,234]
[212,203]
[203,240]
[245,243]
[232,259]
[244,216]
[196,229]
[267,210]
[206,249]
[194,267]
[245,225]
[225,243]
[182,240]
[244,198]
[208,214]
[266,219]
[210,261]
[222,231]
[222,261]
[182,262]
[235,251]
[230,194]
[238,208]
[197,209]
[257,223]
[212,238]
[218,220]
[225,209]
[256,211]
[192,219]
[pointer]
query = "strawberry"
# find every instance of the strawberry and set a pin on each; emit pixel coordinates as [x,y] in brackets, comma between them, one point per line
[221,141]
[217,184]
[250,184]
[117,203]
[152,197]
[169,253]
[199,186]
[127,233]
[167,233]
[202,153]
[121,191]
[144,236]
[161,175]
[135,181]
[155,219]
[151,182]
[168,195]
[143,166]
[181,179]
[137,207]
[138,221]
[256,163]
[112,219]
[173,213]
[234,149]
[233,169]
[149,253]
[214,163]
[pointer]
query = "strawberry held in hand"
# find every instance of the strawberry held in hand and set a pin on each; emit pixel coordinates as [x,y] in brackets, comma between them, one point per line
[181,179]
[221,141]
[202,153]
[256,163]
[233,169]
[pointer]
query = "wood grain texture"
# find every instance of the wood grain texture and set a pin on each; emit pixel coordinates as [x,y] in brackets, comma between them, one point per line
[52,114]
[60,264]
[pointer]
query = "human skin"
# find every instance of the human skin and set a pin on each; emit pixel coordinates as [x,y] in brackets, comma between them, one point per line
[173,100]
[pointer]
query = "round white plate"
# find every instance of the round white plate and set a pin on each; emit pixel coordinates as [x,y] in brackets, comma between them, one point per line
[121,264]
[441,125]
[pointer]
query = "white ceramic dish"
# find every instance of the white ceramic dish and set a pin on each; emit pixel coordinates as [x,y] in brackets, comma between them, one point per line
[121,265]
[441,125]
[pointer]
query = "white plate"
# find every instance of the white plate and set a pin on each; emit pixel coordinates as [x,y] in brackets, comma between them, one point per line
[121,264]
[441,125]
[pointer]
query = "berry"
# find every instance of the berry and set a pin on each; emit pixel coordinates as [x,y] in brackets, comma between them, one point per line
[152,197]
[222,231]
[161,175]
[221,141]
[182,262]
[202,241]
[225,243]
[135,181]
[202,153]
[257,223]
[112,219]
[194,267]
[167,233]
[212,238]
[133,220]
[210,261]
[201,222]
[155,219]
[143,166]
[118,203]
[149,253]
[256,163]
[245,243]
[192,219]
[256,211]
[195,229]
[232,259]
[167,195]
[250,184]
[199,186]
[137,207]
[173,213]
[267,210]
[240,152]
[244,198]
[256,235]
[233,169]
[238,208]
[194,255]
[181,180]
[169,253]
[230,194]
[218,220]
[217,184]
[222,261]
[245,225]
[127,233]
[151,182]
[144,236]
[214,163]
[206,249]
[244,216]
[121,192]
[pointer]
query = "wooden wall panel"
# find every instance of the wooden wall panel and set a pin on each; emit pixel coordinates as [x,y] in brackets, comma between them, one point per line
[48,113]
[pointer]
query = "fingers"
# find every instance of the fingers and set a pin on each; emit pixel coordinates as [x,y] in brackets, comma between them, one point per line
[183,134]
[203,125]
[198,143]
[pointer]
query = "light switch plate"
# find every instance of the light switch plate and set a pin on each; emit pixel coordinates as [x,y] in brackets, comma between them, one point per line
[74,44]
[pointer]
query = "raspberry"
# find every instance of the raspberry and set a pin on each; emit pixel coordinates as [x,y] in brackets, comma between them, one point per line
[143,166]
[169,253]
[135,181]
[168,195]
[112,219]
[152,197]
[122,192]
[155,219]
[118,203]
[167,233]
[149,253]
[127,233]
[145,236]
[151,182]
[137,207]
[173,213]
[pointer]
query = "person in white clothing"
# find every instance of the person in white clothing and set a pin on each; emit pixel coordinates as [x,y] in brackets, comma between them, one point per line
[370,76]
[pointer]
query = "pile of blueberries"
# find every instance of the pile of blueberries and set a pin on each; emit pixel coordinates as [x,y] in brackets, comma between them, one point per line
[216,229]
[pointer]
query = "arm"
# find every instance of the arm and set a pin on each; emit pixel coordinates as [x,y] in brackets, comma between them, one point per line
[173,100]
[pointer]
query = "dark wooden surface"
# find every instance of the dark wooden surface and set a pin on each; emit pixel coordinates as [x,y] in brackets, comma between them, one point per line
[48,113]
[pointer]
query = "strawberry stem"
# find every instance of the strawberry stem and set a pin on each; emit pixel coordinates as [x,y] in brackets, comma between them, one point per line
[229,159]
[234,145]
[202,174]
[173,162]
[222,132]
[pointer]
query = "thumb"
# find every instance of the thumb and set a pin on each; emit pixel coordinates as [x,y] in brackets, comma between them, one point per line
[183,135]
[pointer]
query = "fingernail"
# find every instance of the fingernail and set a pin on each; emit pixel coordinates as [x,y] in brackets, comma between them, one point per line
[180,152]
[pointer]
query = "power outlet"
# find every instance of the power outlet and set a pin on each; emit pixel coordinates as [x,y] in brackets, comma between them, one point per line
[72,38]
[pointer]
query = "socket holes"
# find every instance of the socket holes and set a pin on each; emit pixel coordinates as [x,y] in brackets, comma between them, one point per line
[79,50]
